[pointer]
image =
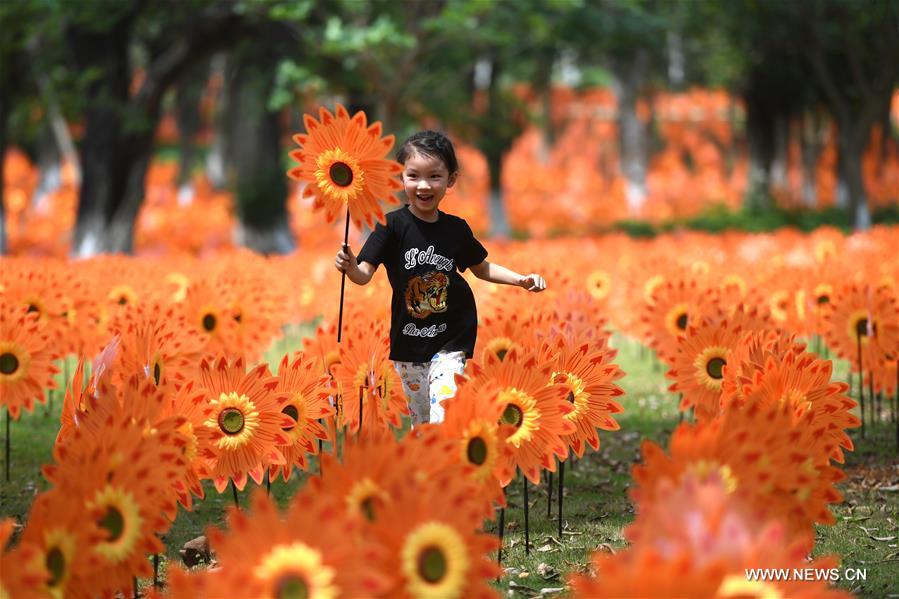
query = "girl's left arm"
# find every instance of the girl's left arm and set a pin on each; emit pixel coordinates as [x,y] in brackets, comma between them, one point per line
[495,273]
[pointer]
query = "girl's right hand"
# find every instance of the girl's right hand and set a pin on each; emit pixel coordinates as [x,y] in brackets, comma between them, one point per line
[345,260]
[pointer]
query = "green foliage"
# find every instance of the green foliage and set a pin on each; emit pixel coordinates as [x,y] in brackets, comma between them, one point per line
[611,34]
[28,29]
[294,83]
[723,63]
[96,16]
[635,228]
[887,215]
[19,21]
[595,76]
[407,62]
[383,38]
[719,218]
[281,10]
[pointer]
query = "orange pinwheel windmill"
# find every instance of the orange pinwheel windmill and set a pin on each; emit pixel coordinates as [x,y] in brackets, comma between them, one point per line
[342,162]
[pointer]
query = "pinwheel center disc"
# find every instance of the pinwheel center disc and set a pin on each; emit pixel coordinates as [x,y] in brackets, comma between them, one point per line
[209,322]
[341,174]
[113,522]
[9,363]
[367,507]
[861,327]
[292,587]
[477,451]
[231,421]
[512,415]
[432,564]
[715,368]
[55,563]
[294,413]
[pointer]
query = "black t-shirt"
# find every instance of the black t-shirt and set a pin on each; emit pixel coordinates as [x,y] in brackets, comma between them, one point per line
[433,306]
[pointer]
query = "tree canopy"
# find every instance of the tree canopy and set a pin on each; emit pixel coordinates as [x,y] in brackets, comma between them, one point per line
[111,68]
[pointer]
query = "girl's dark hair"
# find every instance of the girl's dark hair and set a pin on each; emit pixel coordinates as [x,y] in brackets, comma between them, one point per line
[429,143]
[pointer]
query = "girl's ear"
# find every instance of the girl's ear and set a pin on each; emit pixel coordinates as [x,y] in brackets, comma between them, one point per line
[452,179]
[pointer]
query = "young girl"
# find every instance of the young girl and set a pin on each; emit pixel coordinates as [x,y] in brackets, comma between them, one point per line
[434,319]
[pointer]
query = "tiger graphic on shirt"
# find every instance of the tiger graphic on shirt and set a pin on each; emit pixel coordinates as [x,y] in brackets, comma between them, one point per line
[426,295]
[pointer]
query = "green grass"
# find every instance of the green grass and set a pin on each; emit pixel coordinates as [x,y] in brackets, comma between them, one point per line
[866,534]
[596,504]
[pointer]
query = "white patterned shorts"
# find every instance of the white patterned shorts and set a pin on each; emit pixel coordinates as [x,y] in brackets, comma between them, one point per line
[427,384]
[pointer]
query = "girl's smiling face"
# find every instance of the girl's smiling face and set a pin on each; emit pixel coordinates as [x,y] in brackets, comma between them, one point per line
[426,179]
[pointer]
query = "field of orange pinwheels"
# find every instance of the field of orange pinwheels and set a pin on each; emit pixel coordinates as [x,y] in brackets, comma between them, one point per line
[697,406]
[184,388]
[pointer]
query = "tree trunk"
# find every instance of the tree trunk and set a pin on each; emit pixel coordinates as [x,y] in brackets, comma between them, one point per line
[49,163]
[888,138]
[261,185]
[120,223]
[119,128]
[543,87]
[499,222]
[632,132]
[760,139]
[187,116]
[841,195]
[388,111]
[4,116]
[857,88]
[494,140]
[108,154]
[62,144]
[674,45]
[780,159]
[114,170]
[851,147]
[218,150]
[113,185]
[811,142]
